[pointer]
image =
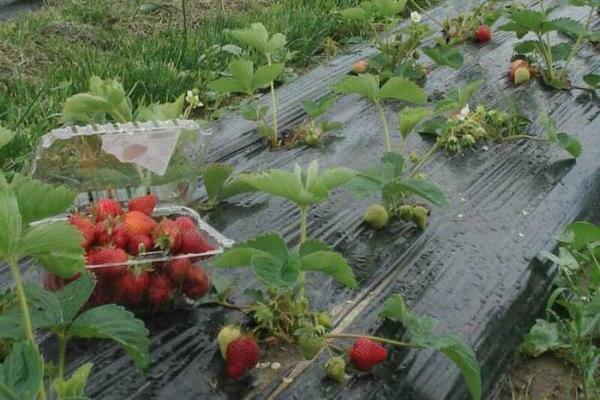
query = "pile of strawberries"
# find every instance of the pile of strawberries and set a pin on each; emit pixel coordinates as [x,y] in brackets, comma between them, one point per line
[112,236]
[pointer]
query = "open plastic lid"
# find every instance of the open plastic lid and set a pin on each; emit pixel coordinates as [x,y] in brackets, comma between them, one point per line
[131,157]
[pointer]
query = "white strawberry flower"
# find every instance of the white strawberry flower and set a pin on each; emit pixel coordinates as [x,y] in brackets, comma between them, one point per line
[415,17]
[464,113]
[192,99]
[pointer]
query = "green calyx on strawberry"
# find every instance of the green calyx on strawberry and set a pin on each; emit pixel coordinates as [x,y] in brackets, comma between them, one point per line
[144,204]
[366,353]
[106,209]
[167,235]
[227,335]
[336,369]
[242,355]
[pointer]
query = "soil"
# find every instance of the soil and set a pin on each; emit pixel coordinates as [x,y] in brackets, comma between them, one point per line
[546,377]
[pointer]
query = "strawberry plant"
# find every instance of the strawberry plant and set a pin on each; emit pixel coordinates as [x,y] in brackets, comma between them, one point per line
[312,132]
[377,14]
[392,180]
[553,59]
[570,326]
[369,351]
[368,86]
[474,24]
[243,78]
[273,49]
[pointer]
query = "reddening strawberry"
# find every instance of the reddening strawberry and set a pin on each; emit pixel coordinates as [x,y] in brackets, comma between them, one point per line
[106,208]
[515,65]
[177,269]
[242,355]
[138,223]
[159,291]
[139,244]
[86,227]
[107,255]
[185,223]
[366,353]
[196,283]
[143,204]
[131,286]
[192,241]
[483,34]
[167,235]
[360,67]
[119,237]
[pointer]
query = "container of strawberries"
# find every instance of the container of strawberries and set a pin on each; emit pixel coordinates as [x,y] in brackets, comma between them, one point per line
[145,257]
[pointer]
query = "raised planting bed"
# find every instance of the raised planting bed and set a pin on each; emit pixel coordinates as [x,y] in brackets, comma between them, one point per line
[474,268]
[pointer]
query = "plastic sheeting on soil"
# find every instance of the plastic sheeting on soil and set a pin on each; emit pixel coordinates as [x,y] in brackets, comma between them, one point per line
[473,269]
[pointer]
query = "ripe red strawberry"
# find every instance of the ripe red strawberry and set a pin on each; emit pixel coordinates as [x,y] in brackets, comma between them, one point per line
[52,282]
[139,244]
[106,208]
[131,286]
[159,291]
[192,241]
[103,292]
[143,204]
[119,237]
[177,269]
[167,235]
[366,353]
[138,223]
[242,355]
[483,34]
[185,223]
[101,234]
[196,283]
[86,227]
[107,255]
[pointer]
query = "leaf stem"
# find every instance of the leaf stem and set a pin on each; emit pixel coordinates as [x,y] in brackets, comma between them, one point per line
[303,235]
[274,134]
[374,338]
[426,159]
[62,351]
[386,128]
[577,46]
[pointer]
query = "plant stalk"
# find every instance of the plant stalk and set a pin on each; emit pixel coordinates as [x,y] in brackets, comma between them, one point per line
[426,159]
[374,338]
[303,235]
[386,128]
[576,46]
[62,351]
[274,105]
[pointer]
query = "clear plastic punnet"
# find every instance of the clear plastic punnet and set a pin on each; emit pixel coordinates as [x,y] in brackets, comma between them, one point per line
[124,160]
[161,269]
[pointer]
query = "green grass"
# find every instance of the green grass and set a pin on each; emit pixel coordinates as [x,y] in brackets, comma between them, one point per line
[60,47]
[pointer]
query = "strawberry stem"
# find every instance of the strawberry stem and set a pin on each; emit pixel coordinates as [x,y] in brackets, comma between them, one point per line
[374,338]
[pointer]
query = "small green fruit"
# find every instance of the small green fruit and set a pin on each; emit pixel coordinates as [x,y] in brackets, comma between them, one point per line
[227,335]
[377,216]
[310,345]
[324,320]
[406,212]
[336,369]
[522,74]
[420,217]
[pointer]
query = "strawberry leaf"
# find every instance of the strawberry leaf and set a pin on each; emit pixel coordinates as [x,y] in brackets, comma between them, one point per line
[329,263]
[410,118]
[266,245]
[161,112]
[117,324]
[422,333]
[38,200]
[10,223]
[276,272]
[593,80]
[403,89]
[570,144]
[22,373]
[445,56]
[265,75]
[74,387]
[215,175]
[542,337]
[366,85]
[419,187]
[317,108]
[312,246]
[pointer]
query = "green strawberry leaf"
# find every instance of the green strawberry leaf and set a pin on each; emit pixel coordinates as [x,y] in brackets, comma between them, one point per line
[265,245]
[161,112]
[312,246]
[542,337]
[362,186]
[329,263]
[570,144]
[22,373]
[422,333]
[410,118]
[10,224]
[276,272]
[419,187]
[366,85]
[561,51]
[582,234]
[567,26]
[56,246]
[74,387]
[265,75]
[403,89]
[445,56]
[593,80]
[215,175]
[117,324]
[335,177]
[317,108]
[74,296]
[39,200]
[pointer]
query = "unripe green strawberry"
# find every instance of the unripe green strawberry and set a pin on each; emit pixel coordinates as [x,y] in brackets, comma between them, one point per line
[421,215]
[310,345]
[377,216]
[324,320]
[227,335]
[522,74]
[406,212]
[336,369]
